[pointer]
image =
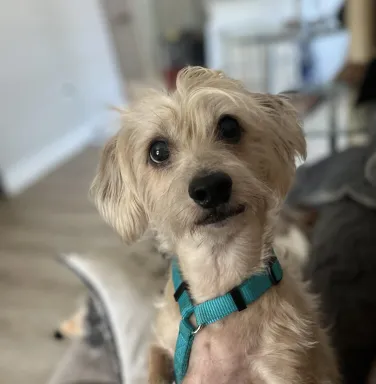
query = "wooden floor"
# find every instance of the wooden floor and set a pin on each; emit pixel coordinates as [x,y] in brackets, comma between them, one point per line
[36,292]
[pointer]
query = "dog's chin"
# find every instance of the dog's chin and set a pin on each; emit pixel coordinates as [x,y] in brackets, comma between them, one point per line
[221,216]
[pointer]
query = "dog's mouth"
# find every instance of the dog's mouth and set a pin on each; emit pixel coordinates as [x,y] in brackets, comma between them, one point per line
[220,214]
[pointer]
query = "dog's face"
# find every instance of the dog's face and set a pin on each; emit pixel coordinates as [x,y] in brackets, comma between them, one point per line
[201,162]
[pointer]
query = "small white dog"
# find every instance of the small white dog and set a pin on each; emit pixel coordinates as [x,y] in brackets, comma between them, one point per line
[207,168]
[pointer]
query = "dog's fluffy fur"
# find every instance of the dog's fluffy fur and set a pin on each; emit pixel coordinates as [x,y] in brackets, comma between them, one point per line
[277,339]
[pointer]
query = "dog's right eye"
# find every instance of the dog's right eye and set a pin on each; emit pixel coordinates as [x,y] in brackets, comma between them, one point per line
[159,152]
[229,129]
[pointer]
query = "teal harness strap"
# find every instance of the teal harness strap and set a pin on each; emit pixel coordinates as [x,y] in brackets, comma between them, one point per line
[215,309]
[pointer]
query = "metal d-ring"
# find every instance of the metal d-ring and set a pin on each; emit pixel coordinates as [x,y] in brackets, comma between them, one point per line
[197,330]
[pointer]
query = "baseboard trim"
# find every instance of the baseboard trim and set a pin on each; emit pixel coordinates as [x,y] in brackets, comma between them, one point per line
[27,171]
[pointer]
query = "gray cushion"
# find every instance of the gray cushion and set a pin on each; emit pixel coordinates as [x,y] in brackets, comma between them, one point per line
[350,173]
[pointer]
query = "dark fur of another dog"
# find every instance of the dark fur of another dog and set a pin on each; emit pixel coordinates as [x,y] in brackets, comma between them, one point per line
[333,202]
[342,270]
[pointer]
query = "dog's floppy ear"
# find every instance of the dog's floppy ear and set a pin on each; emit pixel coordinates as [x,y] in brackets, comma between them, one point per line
[113,192]
[287,140]
[288,127]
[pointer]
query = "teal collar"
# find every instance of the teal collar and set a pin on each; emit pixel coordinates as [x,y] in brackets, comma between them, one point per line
[216,309]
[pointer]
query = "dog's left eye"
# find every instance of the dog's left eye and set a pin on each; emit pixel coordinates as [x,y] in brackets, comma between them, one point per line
[229,129]
[159,152]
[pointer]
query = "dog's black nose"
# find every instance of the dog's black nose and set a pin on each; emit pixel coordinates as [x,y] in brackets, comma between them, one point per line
[211,190]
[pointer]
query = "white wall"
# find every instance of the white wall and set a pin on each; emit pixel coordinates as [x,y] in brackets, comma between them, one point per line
[57,80]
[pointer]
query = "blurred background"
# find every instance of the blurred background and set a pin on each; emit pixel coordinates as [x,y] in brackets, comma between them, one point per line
[65,63]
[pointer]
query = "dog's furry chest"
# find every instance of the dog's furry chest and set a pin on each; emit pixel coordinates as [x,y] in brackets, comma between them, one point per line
[219,357]
[275,341]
